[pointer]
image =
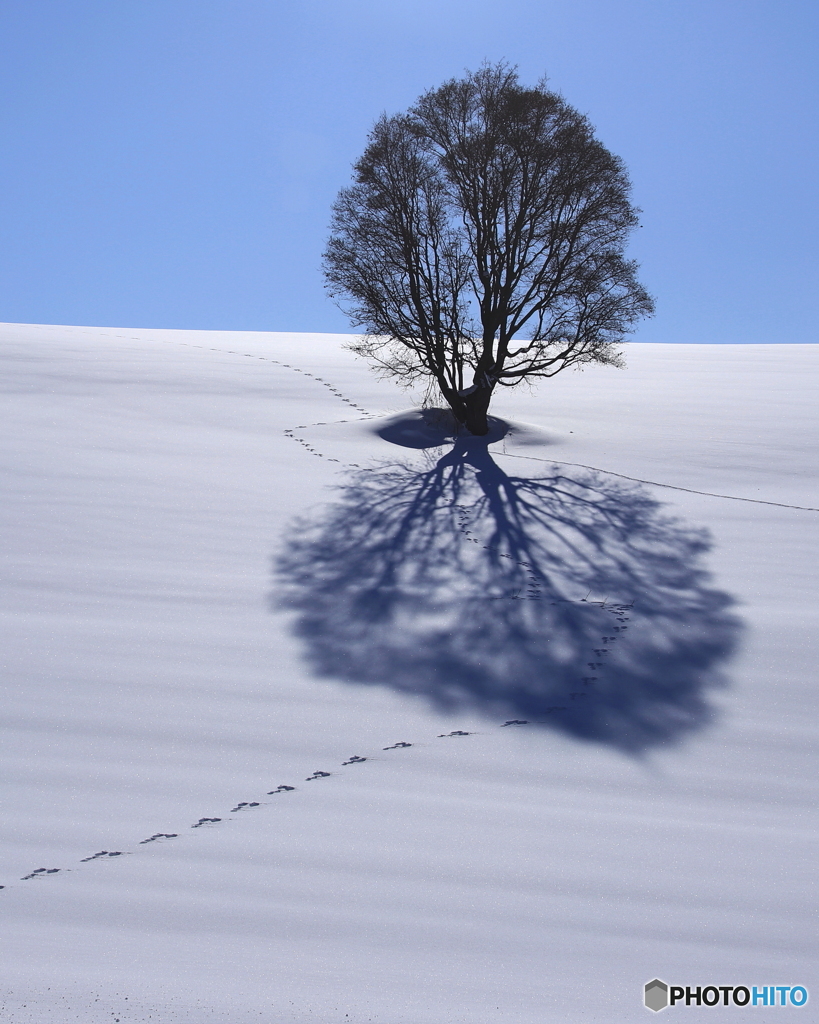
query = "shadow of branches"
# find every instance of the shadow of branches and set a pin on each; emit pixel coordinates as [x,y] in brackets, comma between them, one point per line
[568,599]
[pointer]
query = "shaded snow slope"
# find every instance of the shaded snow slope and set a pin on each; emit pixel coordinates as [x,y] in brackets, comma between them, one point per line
[234,562]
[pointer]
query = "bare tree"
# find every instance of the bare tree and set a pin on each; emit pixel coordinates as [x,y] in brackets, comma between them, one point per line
[482,242]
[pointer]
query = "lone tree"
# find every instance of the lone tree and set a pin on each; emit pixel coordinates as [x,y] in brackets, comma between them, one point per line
[481,242]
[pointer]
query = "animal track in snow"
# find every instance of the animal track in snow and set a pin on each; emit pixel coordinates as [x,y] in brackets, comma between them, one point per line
[283,788]
[37,872]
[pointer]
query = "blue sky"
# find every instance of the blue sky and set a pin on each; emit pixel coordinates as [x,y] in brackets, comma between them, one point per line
[171,163]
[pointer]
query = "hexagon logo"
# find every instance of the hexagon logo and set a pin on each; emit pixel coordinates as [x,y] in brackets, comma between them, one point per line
[656,995]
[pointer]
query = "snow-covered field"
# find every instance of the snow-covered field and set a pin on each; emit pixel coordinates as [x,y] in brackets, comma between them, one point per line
[231,563]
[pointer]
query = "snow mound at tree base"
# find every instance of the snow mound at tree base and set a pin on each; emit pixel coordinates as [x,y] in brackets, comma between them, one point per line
[434,428]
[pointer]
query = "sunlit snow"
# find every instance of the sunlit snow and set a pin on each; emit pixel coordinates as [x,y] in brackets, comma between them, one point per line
[317,710]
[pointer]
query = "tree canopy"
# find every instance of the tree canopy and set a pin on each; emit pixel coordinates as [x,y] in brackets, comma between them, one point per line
[482,242]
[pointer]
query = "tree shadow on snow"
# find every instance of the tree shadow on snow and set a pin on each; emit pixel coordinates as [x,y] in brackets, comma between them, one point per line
[567,600]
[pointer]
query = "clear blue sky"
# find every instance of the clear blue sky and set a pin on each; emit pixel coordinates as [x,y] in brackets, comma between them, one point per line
[171,163]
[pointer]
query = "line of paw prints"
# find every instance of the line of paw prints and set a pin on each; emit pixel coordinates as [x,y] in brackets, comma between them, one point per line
[535,585]
[297,370]
[247,804]
[320,380]
[621,615]
[305,443]
[291,433]
[534,592]
[288,366]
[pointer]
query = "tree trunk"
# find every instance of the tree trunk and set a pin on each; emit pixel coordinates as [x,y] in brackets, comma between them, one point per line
[472,409]
[469,407]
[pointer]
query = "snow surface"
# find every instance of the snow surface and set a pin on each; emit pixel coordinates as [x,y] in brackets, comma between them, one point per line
[234,560]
